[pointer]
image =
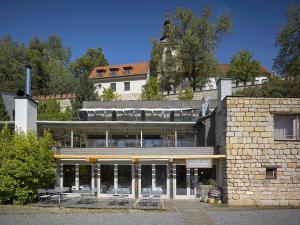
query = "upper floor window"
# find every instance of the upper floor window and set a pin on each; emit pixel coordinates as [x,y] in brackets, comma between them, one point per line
[98,86]
[100,72]
[126,86]
[127,70]
[113,71]
[113,86]
[285,127]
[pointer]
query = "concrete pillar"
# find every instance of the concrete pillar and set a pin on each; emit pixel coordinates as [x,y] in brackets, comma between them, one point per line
[133,180]
[175,137]
[99,178]
[153,177]
[77,177]
[115,176]
[174,180]
[72,138]
[106,138]
[139,180]
[168,181]
[92,176]
[188,177]
[196,180]
[61,175]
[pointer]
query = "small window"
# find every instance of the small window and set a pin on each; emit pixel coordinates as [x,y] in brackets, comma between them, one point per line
[271,173]
[127,70]
[98,86]
[100,73]
[285,127]
[113,73]
[126,86]
[113,86]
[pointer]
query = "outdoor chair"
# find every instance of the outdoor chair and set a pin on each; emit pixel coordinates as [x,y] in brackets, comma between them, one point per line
[43,196]
[155,200]
[55,196]
[145,200]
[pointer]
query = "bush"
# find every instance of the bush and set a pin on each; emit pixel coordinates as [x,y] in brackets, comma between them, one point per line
[26,164]
[187,94]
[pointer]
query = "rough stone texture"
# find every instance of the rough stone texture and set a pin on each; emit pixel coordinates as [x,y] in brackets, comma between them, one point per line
[244,132]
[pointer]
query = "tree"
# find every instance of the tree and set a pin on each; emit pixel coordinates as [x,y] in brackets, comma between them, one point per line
[26,164]
[193,40]
[187,94]
[3,113]
[108,94]
[50,110]
[243,67]
[151,91]
[287,63]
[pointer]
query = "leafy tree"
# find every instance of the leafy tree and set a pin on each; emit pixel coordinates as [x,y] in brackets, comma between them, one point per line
[243,67]
[151,91]
[26,163]
[3,113]
[187,94]
[50,110]
[275,87]
[287,63]
[193,40]
[108,94]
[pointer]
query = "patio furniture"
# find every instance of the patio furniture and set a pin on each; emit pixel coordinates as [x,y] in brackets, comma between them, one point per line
[43,195]
[155,200]
[55,196]
[145,200]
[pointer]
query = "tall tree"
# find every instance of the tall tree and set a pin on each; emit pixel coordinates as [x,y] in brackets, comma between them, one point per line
[287,63]
[243,67]
[151,91]
[194,41]
[3,113]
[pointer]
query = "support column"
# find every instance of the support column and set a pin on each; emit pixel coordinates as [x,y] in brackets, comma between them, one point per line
[153,177]
[133,180]
[99,178]
[72,138]
[141,138]
[61,175]
[139,180]
[196,181]
[168,181]
[175,137]
[77,177]
[106,138]
[188,177]
[115,176]
[174,180]
[92,177]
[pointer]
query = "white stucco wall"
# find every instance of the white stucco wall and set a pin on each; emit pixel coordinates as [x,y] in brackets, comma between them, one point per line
[136,87]
[25,115]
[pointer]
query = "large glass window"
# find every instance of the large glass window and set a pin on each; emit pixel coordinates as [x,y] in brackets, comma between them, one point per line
[146,178]
[205,174]
[125,178]
[85,177]
[161,178]
[113,86]
[69,176]
[285,127]
[107,178]
[126,86]
[181,182]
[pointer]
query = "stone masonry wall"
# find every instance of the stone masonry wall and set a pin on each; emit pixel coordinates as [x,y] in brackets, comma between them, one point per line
[249,145]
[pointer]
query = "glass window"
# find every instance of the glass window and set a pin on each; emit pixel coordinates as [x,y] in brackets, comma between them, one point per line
[85,177]
[127,71]
[124,178]
[107,178]
[113,73]
[181,182]
[146,178]
[113,86]
[161,178]
[285,127]
[69,176]
[100,73]
[126,86]
[271,173]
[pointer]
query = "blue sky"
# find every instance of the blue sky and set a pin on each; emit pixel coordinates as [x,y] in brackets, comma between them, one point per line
[124,29]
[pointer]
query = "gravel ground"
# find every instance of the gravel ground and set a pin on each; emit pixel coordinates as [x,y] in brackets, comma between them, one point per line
[103,218]
[256,217]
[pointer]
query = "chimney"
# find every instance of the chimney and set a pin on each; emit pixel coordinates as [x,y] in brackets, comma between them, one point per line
[25,109]
[224,87]
[28,80]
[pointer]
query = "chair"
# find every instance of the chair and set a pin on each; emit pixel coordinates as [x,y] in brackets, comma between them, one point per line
[43,196]
[55,196]
[155,200]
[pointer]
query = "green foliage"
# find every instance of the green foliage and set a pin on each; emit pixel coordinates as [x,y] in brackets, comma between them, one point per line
[50,110]
[276,88]
[243,67]
[151,91]
[26,163]
[287,63]
[108,94]
[188,50]
[3,113]
[187,94]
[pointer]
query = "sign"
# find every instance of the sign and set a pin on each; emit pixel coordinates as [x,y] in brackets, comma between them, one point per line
[198,163]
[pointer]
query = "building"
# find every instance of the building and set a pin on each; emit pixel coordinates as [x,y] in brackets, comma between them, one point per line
[126,80]
[250,146]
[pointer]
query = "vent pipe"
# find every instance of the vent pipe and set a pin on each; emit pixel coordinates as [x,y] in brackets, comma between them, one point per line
[28,80]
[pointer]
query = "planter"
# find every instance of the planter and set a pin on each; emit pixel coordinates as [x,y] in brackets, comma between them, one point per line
[211,200]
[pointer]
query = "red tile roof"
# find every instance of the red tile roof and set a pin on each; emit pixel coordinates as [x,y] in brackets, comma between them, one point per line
[137,69]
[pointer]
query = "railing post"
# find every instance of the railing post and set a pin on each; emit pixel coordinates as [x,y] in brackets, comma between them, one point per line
[72,138]
[106,138]
[175,134]
[141,138]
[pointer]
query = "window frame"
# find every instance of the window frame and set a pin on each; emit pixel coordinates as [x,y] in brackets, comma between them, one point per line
[296,126]
[274,173]
[113,89]
[100,73]
[127,82]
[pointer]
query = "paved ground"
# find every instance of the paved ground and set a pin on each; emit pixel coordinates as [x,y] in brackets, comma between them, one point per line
[177,213]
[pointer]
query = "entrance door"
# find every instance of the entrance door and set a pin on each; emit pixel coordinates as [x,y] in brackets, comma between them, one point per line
[146,179]
[181,180]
